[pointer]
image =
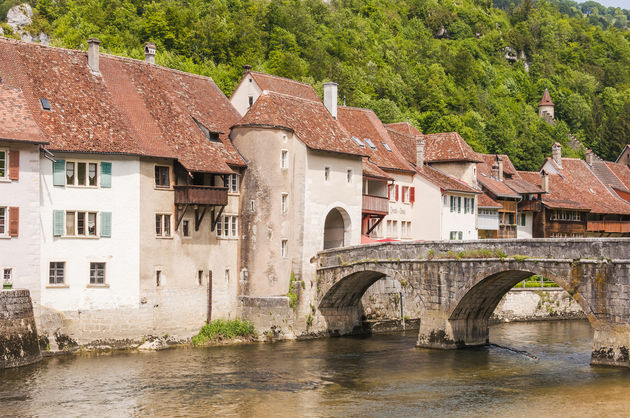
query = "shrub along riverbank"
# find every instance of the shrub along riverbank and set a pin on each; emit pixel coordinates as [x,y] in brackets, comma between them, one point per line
[221,330]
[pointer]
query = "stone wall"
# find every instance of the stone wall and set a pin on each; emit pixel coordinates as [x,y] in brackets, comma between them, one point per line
[539,304]
[18,335]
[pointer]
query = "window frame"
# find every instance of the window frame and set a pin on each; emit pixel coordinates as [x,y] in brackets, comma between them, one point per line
[86,173]
[186,231]
[4,226]
[284,159]
[5,175]
[86,219]
[349,175]
[161,234]
[326,173]
[94,269]
[227,226]
[6,270]
[284,200]
[57,265]
[233,184]
[284,248]
[158,176]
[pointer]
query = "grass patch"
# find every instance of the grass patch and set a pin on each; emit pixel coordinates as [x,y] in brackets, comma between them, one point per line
[220,329]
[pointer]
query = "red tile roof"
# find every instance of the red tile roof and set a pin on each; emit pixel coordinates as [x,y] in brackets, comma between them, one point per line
[546,99]
[561,195]
[404,128]
[16,121]
[490,159]
[444,181]
[405,143]
[511,186]
[131,108]
[485,201]
[309,120]
[372,170]
[364,124]
[448,146]
[284,86]
[622,172]
[496,187]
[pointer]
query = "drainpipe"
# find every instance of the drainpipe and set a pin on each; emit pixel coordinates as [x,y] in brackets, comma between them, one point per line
[402,310]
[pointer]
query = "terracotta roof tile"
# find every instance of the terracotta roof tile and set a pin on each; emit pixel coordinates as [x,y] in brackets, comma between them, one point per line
[372,170]
[366,126]
[546,99]
[511,186]
[444,181]
[497,188]
[284,86]
[131,108]
[485,201]
[405,143]
[448,146]
[309,120]
[16,121]
[622,172]
[405,128]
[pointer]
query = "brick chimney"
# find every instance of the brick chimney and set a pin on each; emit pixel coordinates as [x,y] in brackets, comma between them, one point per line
[420,152]
[330,98]
[495,170]
[246,68]
[589,157]
[556,154]
[545,181]
[93,48]
[500,167]
[149,52]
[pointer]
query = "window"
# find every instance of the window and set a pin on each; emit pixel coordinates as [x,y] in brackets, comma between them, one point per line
[326,173]
[456,235]
[522,219]
[349,175]
[283,203]
[466,205]
[566,215]
[3,163]
[227,226]
[56,272]
[460,235]
[3,220]
[200,277]
[452,204]
[186,228]
[162,225]
[285,245]
[369,142]
[81,173]
[158,278]
[250,100]
[97,273]
[395,228]
[387,147]
[389,228]
[358,142]
[80,223]
[227,275]
[45,103]
[232,183]
[162,176]
[405,194]
[284,159]
[459,204]
[252,205]
[8,275]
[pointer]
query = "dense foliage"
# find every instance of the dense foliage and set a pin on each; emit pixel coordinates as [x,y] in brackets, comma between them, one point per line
[440,64]
[221,329]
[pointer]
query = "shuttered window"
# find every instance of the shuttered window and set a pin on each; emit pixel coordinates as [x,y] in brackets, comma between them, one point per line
[412,194]
[106,174]
[14,221]
[59,173]
[58,222]
[14,165]
[3,220]
[106,224]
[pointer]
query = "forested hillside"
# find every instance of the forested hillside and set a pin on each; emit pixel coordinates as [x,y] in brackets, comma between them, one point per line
[462,65]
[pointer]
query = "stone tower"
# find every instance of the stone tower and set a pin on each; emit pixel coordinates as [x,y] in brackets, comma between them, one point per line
[546,107]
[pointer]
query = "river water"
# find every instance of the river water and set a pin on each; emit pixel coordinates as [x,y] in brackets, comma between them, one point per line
[382,375]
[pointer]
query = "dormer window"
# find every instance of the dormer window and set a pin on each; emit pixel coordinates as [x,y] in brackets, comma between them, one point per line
[45,104]
[212,136]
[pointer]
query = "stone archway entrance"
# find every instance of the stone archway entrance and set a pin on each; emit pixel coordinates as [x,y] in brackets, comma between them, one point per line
[335,228]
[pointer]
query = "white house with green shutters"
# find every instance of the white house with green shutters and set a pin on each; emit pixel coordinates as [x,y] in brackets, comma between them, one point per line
[90,241]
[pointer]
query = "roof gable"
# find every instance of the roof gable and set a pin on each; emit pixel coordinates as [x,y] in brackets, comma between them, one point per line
[446,147]
[283,85]
[16,121]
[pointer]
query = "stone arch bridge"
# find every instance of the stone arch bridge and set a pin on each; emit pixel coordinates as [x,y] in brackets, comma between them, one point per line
[459,284]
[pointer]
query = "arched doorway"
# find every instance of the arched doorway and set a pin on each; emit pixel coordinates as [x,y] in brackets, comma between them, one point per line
[335,227]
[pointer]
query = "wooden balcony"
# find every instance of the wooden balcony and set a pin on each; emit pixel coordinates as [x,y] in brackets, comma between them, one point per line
[620,227]
[201,195]
[375,205]
[530,205]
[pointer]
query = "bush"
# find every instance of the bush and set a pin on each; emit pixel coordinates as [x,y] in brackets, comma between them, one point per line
[220,329]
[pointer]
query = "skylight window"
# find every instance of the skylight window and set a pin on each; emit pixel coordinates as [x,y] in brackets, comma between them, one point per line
[591,190]
[45,103]
[370,143]
[358,141]
[387,147]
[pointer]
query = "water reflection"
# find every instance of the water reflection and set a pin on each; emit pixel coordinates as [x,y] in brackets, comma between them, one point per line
[380,375]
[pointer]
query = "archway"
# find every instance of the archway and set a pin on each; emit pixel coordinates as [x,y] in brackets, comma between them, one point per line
[336,228]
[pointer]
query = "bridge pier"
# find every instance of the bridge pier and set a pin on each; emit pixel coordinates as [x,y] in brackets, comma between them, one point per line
[438,331]
[611,345]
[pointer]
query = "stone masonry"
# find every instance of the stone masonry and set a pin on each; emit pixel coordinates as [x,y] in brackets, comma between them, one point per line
[460,284]
[19,345]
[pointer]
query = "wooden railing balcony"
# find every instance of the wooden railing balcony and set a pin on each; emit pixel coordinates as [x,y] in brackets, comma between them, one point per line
[620,227]
[375,204]
[531,205]
[201,195]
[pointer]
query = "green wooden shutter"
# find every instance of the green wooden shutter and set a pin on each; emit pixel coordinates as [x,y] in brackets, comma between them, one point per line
[59,173]
[58,222]
[106,174]
[106,224]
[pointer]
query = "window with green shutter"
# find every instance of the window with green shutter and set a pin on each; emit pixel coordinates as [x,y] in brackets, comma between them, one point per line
[106,224]
[59,173]
[106,174]
[58,222]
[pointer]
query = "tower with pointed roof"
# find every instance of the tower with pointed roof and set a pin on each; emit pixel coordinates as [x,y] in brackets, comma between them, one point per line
[546,107]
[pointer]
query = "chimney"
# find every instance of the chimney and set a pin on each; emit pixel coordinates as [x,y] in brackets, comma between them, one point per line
[589,157]
[246,68]
[330,98]
[500,167]
[545,181]
[556,154]
[93,47]
[495,171]
[149,52]
[420,153]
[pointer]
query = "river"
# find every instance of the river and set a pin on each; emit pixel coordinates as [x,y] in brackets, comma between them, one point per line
[381,375]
